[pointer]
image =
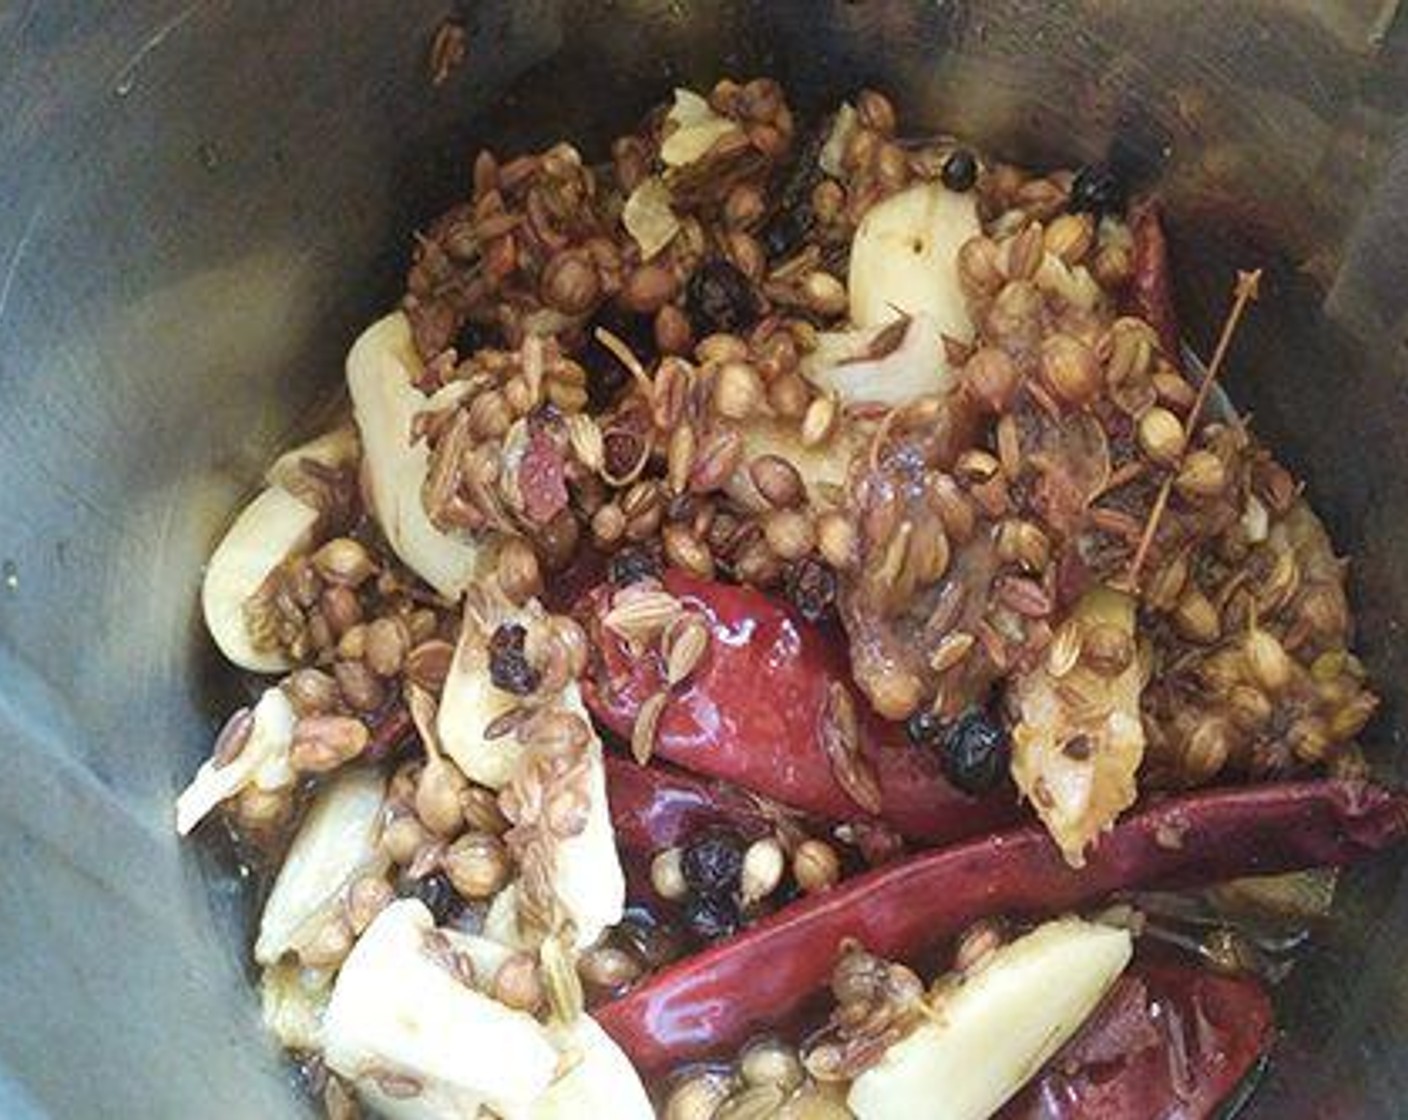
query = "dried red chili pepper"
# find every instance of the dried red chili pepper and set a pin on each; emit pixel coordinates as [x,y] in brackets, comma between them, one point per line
[1170,1042]
[1151,288]
[655,807]
[755,713]
[713,1001]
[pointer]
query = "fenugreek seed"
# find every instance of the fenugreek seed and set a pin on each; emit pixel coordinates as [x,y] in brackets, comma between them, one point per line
[608,525]
[520,576]
[815,866]
[1267,660]
[777,480]
[646,727]
[323,743]
[340,608]
[402,837]
[685,642]
[388,641]
[667,875]
[763,865]
[699,1096]
[836,540]
[673,334]
[738,391]
[824,294]
[428,664]
[1207,751]
[1195,618]
[1107,649]
[438,793]
[344,561]
[679,458]
[477,865]
[772,1063]
[361,689]
[608,968]
[517,983]
[1202,476]
[790,533]
[1070,369]
[367,897]
[819,421]
[570,284]
[951,650]
[744,206]
[720,454]
[789,396]
[684,549]
[328,946]
[1161,436]
[648,288]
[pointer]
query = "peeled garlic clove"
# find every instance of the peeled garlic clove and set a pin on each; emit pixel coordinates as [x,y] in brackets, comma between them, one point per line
[588,878]
[996,1029]
[471,703]
[292,1000]
[648,217]
[692,129]
[417,1042]
[915,368]
[1084,756]
[269,530]
[263,762]
[381,371]
[336,448]
[904,259]
[336,843]
[600,1080]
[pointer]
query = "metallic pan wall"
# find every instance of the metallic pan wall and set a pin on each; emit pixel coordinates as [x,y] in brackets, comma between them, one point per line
[201,199]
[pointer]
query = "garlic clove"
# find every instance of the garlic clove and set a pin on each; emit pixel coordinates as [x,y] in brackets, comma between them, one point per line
[995,1030]
[692,129]
[292,1001]
[336,843]
[904,259]
[417,1042]
[599,1081]
[269,530]
[915,368]
[381,369]
[263,762]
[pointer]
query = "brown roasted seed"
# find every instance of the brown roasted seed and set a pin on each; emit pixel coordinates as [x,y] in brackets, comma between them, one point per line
[684,644]
[646,726]
[429,664]
[388,641]
[323,743]
[777,480]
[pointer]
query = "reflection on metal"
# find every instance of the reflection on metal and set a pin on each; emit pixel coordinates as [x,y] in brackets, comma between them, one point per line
[182,266]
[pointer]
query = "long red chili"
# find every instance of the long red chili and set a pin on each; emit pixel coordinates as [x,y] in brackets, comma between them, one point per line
[1170,1042]
[1151,286]
[754,711]
[655,807]
[713,1001]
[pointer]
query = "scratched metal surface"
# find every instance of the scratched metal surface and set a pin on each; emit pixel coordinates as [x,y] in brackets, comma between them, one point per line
[199,202]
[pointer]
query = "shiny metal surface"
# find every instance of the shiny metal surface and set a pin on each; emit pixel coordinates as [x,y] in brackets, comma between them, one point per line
[201,199]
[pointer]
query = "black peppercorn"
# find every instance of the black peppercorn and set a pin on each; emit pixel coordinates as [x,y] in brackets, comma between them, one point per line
[508,663]
[719,299]
[960,170]
[710,917]
[712,864]
[975,752]
[1096,190]
[631,565]
[438,895]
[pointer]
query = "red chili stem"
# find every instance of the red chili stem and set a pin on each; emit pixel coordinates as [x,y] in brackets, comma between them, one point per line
[711,1002]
